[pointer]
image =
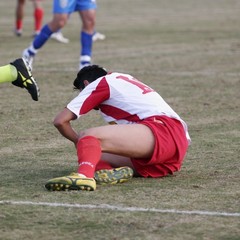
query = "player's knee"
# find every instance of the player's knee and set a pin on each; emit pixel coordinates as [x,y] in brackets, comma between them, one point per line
[88,26]
[58,22]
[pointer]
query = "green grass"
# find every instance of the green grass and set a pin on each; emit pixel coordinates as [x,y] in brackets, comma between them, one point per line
[189,52]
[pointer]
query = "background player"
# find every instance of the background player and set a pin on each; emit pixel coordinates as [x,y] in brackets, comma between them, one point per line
[37,14]
[87,12]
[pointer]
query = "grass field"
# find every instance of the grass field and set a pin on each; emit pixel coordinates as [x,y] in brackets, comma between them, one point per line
[189,51]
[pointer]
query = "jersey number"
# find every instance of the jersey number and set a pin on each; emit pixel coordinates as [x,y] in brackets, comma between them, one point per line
[137,83]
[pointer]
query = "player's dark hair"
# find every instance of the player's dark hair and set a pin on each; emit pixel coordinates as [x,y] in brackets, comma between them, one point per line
[89,73]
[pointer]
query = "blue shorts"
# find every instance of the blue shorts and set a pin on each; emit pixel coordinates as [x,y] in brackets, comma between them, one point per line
[69,6]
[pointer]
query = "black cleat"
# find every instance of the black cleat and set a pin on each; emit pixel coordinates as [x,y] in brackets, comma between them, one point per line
[25,78]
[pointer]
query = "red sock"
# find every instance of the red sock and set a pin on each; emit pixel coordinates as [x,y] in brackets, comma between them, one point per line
[103,165]
[19,24]
[89,153]
[38,16]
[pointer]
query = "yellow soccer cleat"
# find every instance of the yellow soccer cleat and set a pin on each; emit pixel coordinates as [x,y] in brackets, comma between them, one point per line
[25,78]
[71,182]
[113,176]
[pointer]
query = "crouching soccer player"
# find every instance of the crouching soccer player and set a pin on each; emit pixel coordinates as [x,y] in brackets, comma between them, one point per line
[145,137]
[19,74]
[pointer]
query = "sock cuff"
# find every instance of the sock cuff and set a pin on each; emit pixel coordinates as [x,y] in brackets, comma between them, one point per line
[32,50]
[85,34]
[89,140]
[38,10]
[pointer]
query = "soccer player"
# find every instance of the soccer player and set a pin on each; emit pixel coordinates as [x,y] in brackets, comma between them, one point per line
[62,10]
[145,138]
[37,14]
[19,74]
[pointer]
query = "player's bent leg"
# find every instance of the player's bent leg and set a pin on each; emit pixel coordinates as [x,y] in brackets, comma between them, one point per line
[113,176]
[71,182]
[129,140]
[88,26]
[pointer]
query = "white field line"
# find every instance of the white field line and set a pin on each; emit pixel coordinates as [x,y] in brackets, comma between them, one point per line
[121,209]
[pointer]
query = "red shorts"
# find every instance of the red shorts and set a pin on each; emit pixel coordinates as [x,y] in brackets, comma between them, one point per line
[170,148]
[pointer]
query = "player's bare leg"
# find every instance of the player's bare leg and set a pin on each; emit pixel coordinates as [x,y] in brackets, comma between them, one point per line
[119,143]
[129,140]
[88,18]
[58,21]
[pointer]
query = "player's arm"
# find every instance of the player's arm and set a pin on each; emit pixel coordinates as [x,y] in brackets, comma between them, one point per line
[62,123]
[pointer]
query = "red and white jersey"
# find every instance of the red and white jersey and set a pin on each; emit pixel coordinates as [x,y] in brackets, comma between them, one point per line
[122,99]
